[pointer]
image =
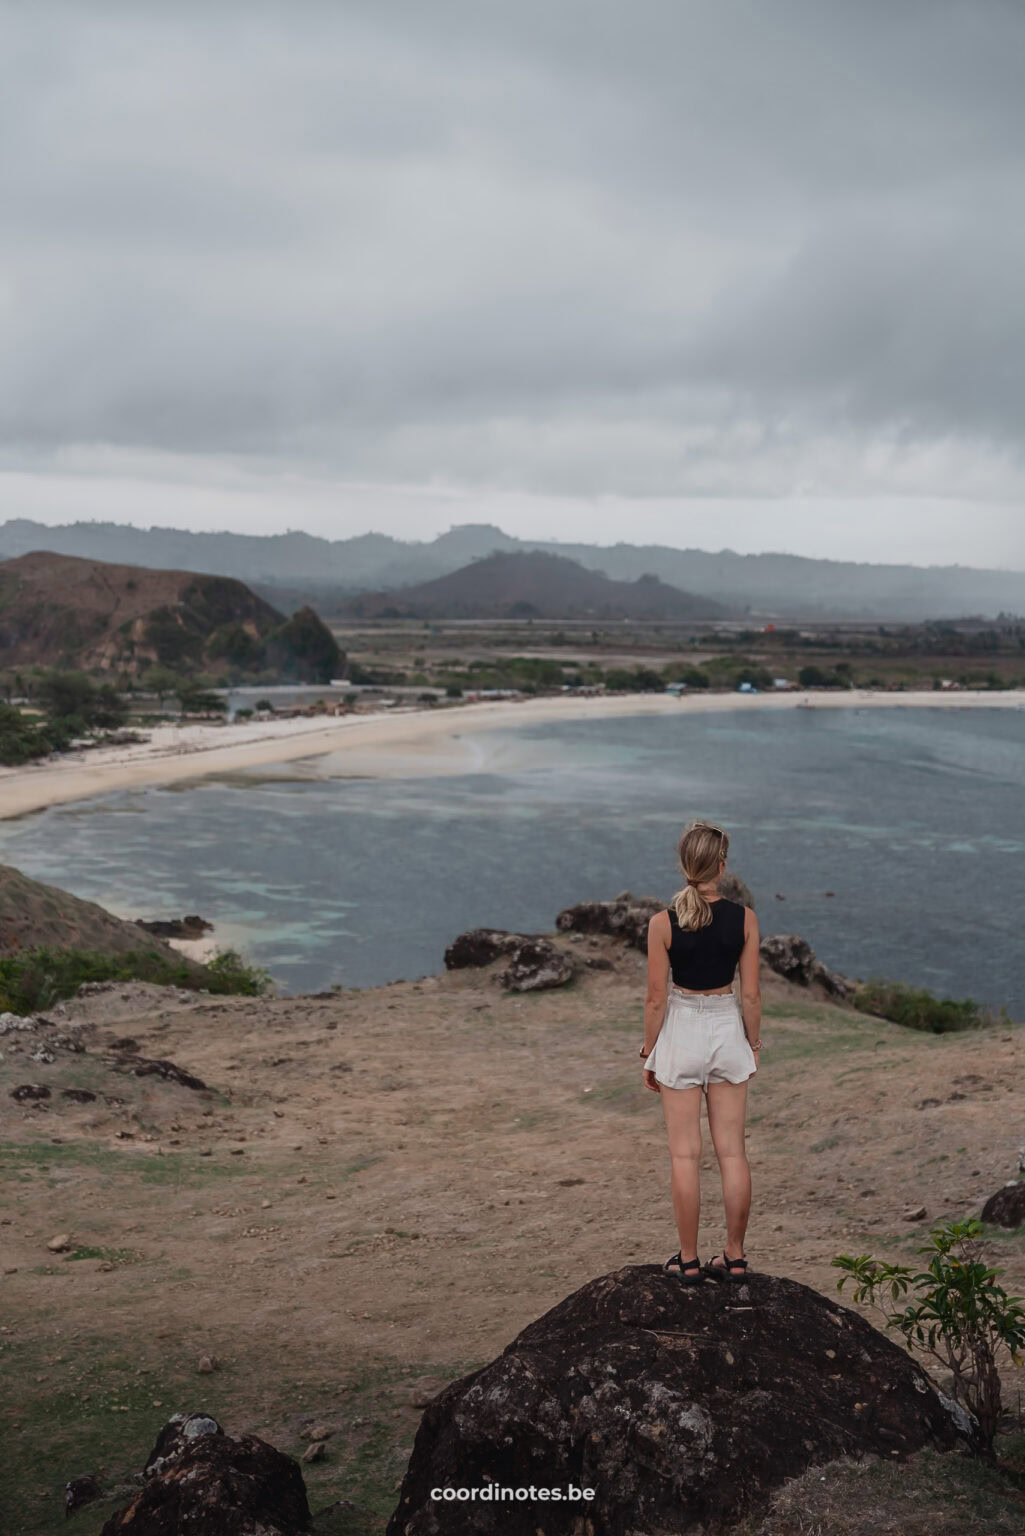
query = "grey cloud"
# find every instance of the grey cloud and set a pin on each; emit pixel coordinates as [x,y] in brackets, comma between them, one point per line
[577,247]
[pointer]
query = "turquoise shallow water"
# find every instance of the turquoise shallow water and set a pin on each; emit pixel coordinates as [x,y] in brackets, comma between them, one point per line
[914,818]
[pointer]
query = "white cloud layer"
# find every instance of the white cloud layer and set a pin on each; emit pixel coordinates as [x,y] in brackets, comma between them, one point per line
[590,269]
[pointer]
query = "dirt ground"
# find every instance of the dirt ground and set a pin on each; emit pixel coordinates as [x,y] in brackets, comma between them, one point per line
[378,1189]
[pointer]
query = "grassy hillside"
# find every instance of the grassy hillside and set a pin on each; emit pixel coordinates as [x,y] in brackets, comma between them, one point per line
[33,914]
[60,611]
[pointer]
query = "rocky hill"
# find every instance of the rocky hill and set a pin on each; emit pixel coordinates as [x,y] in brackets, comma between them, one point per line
[529,586]
[62,611]
[33,915]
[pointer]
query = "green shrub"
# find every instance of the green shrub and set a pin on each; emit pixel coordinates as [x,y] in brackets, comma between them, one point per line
[195,700]
[959,1315]
[21,738]
[639,680]
[818,677]
[692,676]
[34,979]
[758,677]
[917,1008]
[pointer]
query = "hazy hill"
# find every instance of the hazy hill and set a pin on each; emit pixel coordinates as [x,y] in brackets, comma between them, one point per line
[300,568]
[57,610]
[534,585]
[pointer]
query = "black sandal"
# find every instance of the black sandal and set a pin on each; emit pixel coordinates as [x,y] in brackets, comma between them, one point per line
[723,1271]
[684,1270]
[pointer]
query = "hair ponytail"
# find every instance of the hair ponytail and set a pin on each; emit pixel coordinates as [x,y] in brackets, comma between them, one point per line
[702,850]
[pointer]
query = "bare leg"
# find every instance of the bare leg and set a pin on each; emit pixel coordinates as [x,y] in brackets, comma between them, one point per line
[682,1110]
[727,1106]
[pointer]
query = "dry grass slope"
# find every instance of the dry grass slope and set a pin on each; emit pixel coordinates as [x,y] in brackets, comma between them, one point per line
[379,1189]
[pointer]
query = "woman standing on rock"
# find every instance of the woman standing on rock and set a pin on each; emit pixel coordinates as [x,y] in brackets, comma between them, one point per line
[696,1042]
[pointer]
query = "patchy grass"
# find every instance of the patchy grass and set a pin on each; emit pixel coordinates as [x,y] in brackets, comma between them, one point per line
[77,1406]
[108,1255]
[32,980]
[929,1494]
[626,1093]
[366,1464]
[180,1169]
[73,1407]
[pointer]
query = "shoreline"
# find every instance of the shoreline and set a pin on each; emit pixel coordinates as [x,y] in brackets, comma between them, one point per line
[400,743]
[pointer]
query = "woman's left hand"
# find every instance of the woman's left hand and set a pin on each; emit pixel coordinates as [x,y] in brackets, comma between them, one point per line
[651,1081]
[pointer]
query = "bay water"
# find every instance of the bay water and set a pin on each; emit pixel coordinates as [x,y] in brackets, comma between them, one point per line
[914,820]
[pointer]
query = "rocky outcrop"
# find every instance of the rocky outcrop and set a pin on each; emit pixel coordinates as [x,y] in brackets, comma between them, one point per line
[681,1407]
[199,1479]
[535,963]
[626,917]
[480,946]
[794,959]
[1006,1208]
[734,889]
[143,1066]
[191,926]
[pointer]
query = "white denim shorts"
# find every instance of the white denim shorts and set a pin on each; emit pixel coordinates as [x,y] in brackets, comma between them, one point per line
[702,1041]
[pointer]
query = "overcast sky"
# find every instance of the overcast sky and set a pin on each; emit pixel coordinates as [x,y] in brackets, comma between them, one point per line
[717,274]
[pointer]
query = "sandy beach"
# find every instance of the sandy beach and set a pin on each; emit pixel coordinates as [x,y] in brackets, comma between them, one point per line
[398,743]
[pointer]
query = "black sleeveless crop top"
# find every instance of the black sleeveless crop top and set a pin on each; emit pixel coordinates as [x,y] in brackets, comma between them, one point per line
[702,959]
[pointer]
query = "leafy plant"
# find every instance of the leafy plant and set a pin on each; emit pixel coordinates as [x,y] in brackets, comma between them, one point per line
[917,1008]
[35,979]
[958,1314]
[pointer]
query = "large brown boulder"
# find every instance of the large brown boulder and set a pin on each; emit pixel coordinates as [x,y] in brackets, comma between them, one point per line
[199,1479]
[681,1407]
[793,958]
[1006,1208]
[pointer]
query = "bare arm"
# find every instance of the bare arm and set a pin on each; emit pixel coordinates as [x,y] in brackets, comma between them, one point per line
[659,936]
[750,989]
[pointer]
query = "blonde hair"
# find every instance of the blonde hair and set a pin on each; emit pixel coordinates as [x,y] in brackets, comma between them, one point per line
[702,849]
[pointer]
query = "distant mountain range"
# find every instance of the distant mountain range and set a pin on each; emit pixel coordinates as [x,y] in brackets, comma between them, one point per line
[61,611]
[294,568]
[532,586]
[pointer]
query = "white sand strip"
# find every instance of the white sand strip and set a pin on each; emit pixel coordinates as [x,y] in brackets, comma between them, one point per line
[398,743]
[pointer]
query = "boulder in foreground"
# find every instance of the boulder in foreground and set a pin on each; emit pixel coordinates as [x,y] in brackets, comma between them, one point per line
[681,1407]
[199,1479]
